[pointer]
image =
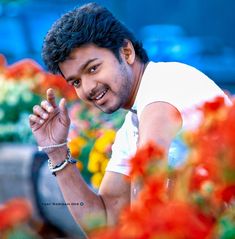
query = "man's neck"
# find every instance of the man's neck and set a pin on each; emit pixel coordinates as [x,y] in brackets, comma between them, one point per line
[138,70]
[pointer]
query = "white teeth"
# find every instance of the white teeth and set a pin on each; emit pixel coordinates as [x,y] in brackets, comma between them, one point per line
[101,95]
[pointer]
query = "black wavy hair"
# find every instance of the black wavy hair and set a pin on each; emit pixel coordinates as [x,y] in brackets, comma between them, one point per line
[90,23]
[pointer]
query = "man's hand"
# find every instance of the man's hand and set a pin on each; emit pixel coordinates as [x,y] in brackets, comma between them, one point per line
[50,122]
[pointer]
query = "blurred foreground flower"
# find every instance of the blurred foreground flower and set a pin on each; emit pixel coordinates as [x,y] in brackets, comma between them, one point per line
[14,212]
[195,200]
[14,217]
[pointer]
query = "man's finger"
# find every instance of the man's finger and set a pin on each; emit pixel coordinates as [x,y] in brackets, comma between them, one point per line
[51,97]
[64,111]
[47,106]
[34,119]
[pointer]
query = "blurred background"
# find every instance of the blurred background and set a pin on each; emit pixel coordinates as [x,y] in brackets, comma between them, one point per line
[198,32]
[201,33]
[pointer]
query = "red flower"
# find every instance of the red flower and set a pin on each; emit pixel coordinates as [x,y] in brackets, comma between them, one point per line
[29,69]
[199,175]
[3,62]
[172,219]
[58,83]
[140,163]
[201,188]
[106,233]
[26,68]
[228,130]
[213,106]
[154,191]
[180,220]
[226,193]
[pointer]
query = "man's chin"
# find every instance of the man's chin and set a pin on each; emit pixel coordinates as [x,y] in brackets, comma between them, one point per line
[108,110]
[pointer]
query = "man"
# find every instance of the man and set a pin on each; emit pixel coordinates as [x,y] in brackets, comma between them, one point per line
[109,69]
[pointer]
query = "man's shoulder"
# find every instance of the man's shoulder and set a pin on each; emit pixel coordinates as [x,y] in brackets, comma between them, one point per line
[170,66]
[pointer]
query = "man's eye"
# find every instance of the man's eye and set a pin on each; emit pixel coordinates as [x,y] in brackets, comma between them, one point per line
[76,83]
[93,69]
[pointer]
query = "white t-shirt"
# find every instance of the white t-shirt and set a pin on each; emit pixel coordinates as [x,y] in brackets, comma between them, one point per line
[182,86]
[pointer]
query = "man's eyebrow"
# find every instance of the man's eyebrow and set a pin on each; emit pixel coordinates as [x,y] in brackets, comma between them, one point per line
[83,66]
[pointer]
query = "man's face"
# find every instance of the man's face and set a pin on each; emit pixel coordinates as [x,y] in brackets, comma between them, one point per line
[98,77]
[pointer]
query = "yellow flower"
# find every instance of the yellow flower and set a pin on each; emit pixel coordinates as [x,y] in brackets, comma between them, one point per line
[96,180]
[103,143]
[104,165]
[95,161]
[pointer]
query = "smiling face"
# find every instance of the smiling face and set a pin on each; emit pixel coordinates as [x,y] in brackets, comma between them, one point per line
[98,77]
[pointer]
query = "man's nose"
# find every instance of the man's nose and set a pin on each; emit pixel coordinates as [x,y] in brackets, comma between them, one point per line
[89,88]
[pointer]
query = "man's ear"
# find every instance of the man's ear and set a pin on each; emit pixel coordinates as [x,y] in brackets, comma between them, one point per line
[128,52]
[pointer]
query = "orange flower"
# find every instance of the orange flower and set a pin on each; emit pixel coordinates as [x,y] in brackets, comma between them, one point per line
[76,145]
[13,212]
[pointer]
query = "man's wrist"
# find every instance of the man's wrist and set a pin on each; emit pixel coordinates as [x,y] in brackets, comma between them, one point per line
[58,155]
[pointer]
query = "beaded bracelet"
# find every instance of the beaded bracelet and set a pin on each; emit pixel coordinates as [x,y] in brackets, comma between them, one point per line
[61,165]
